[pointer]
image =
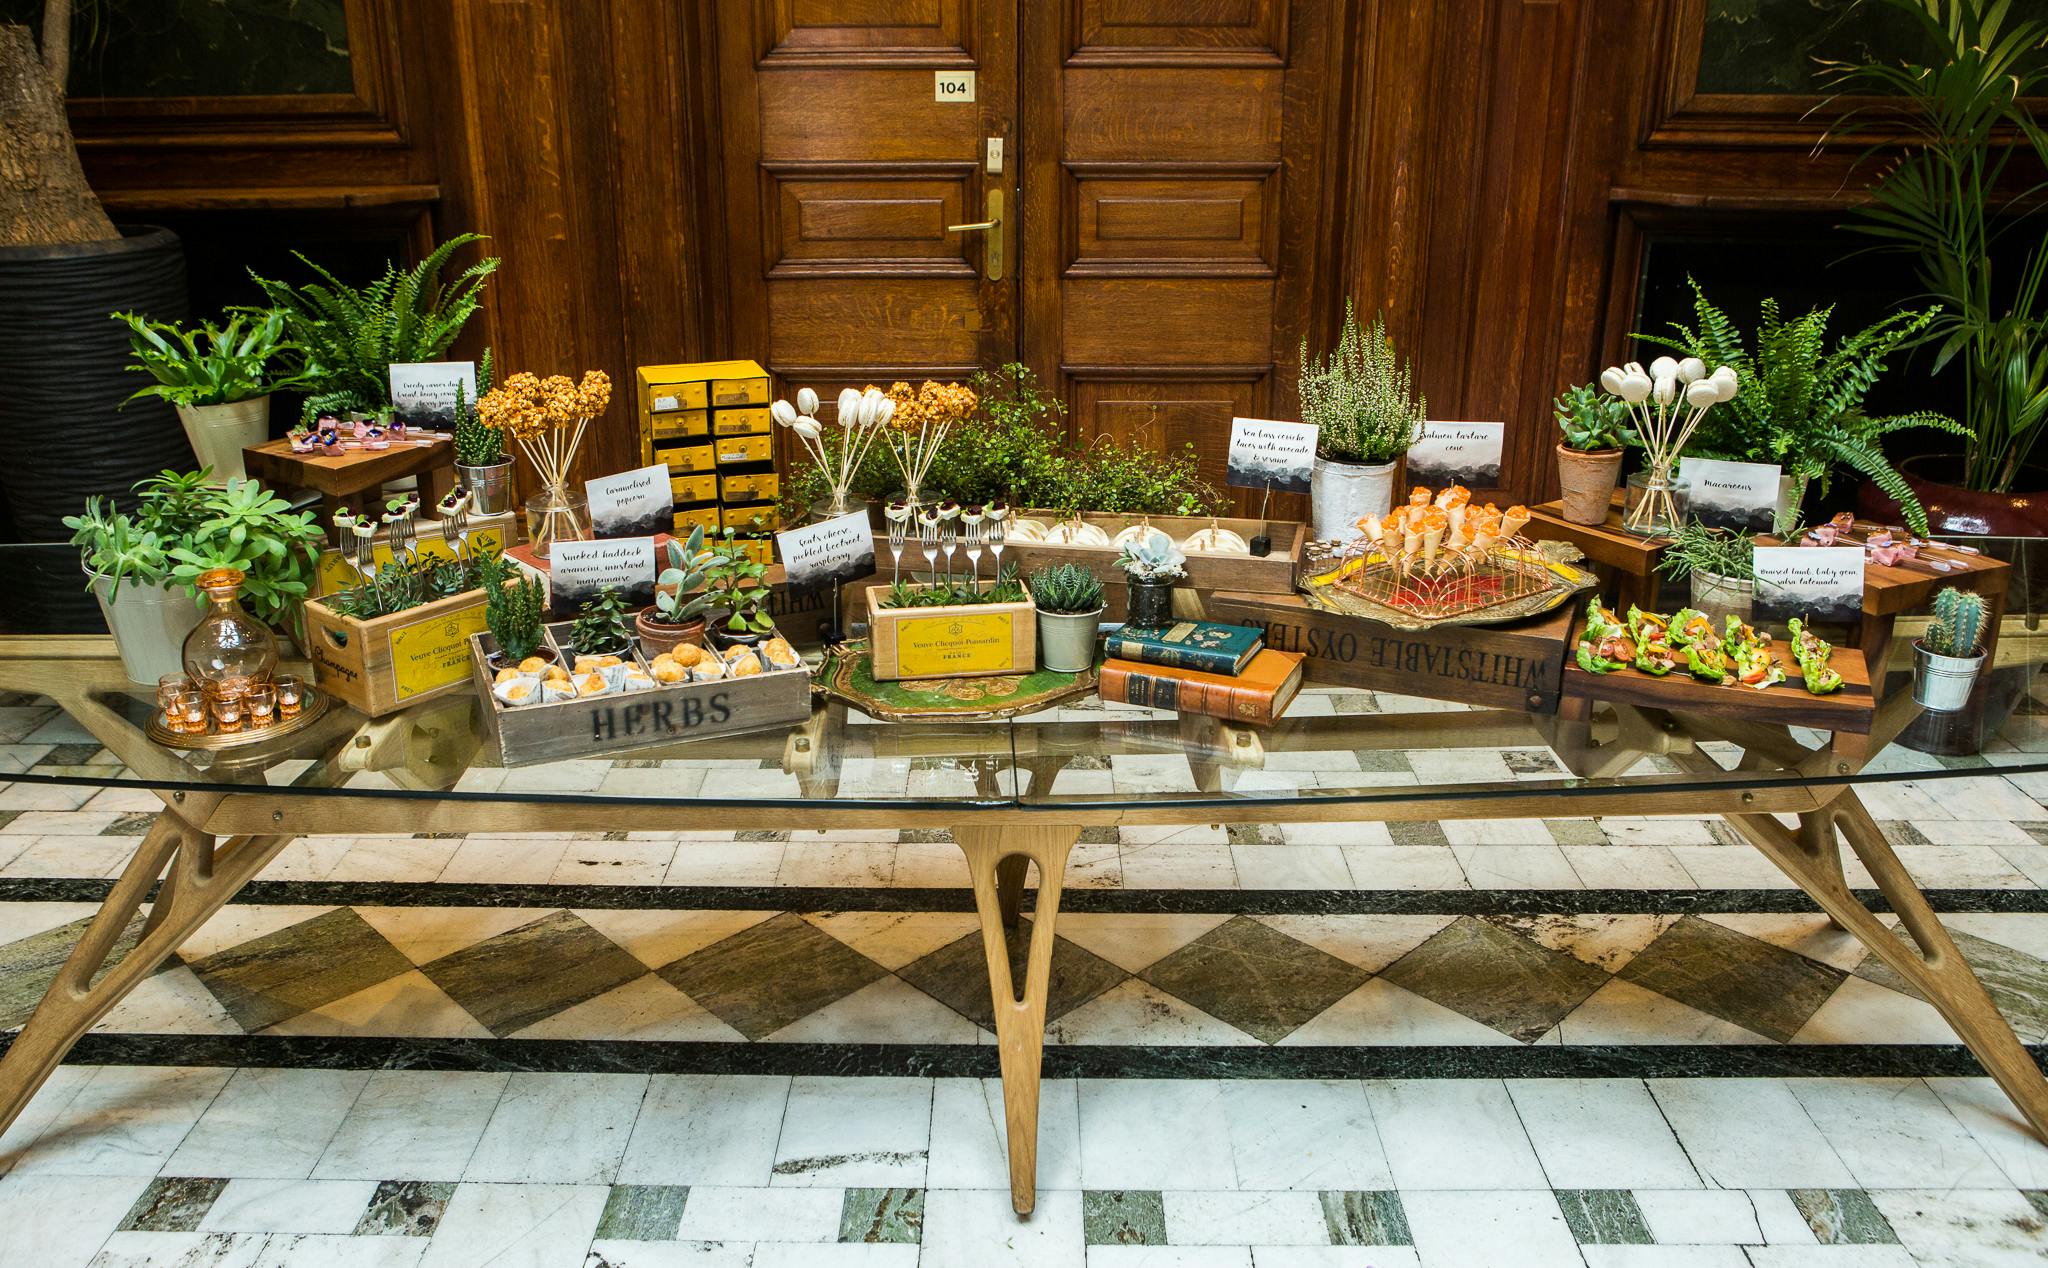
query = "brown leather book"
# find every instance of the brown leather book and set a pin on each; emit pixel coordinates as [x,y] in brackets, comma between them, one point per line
[1256,696]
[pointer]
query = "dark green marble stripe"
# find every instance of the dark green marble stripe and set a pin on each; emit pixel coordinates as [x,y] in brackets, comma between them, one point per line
[1604,1217]
[1365,1217]
[405,1208]
[1844,1217]
[1123,1217]
[882,1215]
[172,1204]
[642,1213]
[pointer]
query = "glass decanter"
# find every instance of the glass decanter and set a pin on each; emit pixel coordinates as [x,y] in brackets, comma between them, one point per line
[229,652]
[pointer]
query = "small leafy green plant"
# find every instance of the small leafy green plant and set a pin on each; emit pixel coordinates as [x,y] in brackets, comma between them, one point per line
[1717,551]
[904,594]
[604,625]
[1067,589]
[210,364]
[404,584]
[1359,396]
[513,606]
[1958,628]
[1592,420]
[733,588]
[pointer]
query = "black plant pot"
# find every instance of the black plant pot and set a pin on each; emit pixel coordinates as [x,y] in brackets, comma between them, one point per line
[64,376]
[1151,603]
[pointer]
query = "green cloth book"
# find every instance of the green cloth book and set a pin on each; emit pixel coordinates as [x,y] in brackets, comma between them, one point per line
[1208,646]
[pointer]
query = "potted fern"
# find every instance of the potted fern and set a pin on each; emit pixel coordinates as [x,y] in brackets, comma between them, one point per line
[1069,600]
[1358,397]
[1802,408]
[1595,427]
[1947,658]
[480,461]
[351,336]
[218,378]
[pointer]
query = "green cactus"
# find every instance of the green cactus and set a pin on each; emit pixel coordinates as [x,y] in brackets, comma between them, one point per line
[1067,588]
[475,444]
[1958,628]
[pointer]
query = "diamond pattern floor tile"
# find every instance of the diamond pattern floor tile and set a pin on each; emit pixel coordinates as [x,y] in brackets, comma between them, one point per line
[299,968]
[1734,977]
[2018,982]
[768,975]
[957,975]
[535,971]
[1497,978]
[1256,978]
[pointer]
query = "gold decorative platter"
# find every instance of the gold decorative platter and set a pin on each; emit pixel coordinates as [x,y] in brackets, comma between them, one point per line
[311,711]
[847,676]
[1543,575]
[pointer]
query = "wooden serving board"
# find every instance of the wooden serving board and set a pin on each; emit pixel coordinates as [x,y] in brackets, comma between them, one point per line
[1788,703]
[1513,666]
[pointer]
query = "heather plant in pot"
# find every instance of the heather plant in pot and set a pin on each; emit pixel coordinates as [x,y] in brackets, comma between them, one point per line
[1151,564]
[1594,428]
[1069,601]
[680,597]
[1359,398]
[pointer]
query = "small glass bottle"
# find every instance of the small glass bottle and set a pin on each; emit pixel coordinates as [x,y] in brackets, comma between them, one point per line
[228,645]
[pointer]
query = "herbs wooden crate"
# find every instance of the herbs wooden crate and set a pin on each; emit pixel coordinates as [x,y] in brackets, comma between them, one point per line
[1270,574]
[389,662]
[971,640]
[618,721]
[1514,666]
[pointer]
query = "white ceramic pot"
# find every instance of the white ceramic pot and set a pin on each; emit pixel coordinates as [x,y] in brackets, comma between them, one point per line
[149,624]
[1345,491]
[219,434]
[1718,596]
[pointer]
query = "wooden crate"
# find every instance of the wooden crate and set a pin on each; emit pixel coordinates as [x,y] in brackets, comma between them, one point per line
[385,664]
[667,714]
[1514,666]
[1272,574]
[969,641]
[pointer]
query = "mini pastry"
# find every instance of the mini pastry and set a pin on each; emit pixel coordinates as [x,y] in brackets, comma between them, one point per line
[594,664]
[744,664]
[516,692]
[555,673]
[635,679]
[707,669]
[510,673]
[533,665]
[556,690]
[591,684]
[666,668]
[778,652]
[686,654]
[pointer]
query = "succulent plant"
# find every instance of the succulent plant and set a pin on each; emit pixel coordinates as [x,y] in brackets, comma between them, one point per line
[680,595]
[1592,420]
[1066,589]
[513,602]
[1958,628]
[1152,556]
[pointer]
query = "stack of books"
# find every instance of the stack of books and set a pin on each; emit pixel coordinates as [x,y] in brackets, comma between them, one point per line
[1224,671]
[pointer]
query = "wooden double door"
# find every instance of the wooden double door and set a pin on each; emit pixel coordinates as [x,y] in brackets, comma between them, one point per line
[1154,166]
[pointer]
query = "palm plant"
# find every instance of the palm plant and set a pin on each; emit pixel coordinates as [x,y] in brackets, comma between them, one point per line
[1801,405]
[1936,203]
[351,336]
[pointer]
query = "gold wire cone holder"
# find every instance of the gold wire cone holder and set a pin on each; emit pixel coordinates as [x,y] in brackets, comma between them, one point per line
[1514,578]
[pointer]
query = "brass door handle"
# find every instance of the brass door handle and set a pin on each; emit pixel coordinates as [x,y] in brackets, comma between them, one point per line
[992,250]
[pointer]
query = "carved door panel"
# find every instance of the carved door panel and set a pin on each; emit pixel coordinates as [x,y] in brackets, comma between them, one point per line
[1157,269]
[1169,212]
[844,170]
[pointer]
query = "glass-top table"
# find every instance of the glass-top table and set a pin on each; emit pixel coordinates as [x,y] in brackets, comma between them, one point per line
[1016,794]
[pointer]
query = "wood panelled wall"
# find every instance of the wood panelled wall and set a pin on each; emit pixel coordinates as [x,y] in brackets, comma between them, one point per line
[1483,170]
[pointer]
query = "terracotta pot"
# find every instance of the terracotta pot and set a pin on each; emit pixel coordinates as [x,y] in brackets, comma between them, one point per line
[1952,508]
[1587,477]
[658,636]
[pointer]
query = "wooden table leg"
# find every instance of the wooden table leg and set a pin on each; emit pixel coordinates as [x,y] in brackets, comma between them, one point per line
[1930,962]
[1020,1017]
[198,881]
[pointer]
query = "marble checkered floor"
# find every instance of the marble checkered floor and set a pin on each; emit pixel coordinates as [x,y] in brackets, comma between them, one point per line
[1611,1043]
